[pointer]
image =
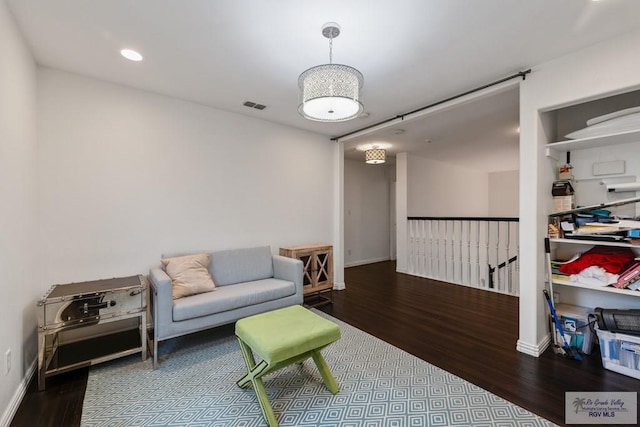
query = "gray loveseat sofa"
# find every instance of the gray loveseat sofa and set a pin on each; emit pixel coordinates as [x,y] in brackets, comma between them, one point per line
[248,281]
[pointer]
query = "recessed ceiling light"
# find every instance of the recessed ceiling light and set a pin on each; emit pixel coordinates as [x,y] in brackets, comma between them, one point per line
[399,131]
[364,115]
[131,55]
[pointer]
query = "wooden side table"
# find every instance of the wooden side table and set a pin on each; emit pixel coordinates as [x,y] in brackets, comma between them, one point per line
[85,305]
[317,279]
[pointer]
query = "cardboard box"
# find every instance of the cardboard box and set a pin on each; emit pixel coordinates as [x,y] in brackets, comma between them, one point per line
[620,353]
[563,203]
[564,172]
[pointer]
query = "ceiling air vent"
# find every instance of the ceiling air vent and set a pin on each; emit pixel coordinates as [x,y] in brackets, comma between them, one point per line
[254,105]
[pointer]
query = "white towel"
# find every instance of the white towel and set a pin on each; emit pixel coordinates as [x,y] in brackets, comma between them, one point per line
[594,275]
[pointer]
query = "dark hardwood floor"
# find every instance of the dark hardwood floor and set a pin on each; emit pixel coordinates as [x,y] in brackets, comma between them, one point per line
[468,332]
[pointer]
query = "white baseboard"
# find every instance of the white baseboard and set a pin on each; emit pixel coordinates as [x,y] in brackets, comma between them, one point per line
[534,350]
[339,286]
[12,408]
[365,261]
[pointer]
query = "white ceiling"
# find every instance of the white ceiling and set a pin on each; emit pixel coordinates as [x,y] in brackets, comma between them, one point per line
[411,53]
[480,134]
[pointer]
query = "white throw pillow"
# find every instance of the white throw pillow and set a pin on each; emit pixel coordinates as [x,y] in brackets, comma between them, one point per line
[189,275]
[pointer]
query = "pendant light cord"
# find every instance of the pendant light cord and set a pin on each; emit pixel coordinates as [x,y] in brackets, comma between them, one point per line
[331,47]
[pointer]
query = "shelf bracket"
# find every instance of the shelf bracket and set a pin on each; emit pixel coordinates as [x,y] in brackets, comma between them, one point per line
[553,153]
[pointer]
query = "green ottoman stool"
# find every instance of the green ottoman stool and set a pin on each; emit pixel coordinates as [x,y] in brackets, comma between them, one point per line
[283,337]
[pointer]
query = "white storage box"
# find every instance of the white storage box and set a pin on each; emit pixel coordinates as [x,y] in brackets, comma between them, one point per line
[575,322]
[620,353]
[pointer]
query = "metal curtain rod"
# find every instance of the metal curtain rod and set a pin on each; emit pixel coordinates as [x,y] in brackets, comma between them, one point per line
[519,74]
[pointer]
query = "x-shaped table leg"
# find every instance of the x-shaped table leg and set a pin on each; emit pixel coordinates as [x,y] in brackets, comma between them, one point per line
[255,372]
[253,376]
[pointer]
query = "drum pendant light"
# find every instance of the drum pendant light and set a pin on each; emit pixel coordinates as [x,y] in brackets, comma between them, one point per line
[330,92]
[375,156]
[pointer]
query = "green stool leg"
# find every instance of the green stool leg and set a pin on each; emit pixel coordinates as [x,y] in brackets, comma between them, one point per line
[327,376]
[253,374]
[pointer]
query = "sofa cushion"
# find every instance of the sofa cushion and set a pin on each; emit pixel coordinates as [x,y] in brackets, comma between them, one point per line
[227,298]
[189,275]
[241,265]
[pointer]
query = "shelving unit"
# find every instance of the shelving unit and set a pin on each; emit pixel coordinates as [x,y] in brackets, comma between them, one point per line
[610,289]
[598,206]
[592,242]
[615,146]
[552,149]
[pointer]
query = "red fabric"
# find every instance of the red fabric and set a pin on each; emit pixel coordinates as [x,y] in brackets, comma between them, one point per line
[610,258]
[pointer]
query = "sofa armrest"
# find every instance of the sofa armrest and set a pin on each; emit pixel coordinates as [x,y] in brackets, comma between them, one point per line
[288,269]
[162,301]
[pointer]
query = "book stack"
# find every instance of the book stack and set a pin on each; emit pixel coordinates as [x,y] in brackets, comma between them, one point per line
[630,277]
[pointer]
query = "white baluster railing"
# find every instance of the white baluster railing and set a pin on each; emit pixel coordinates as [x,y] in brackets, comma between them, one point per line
[486,249]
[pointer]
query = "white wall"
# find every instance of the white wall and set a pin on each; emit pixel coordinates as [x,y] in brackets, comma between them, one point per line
[402,164]
[119,176]
[366,215]
[442,189]
[503,194]
[126,175]
[591,73]
[426,187]
[18,261]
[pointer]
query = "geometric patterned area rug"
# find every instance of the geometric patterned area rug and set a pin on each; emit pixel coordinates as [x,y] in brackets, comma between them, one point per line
[380,385]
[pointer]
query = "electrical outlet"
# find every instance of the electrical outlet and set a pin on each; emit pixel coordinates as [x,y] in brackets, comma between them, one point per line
[7,361]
